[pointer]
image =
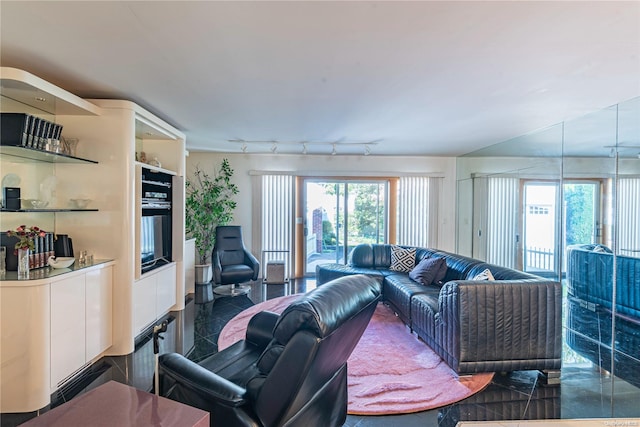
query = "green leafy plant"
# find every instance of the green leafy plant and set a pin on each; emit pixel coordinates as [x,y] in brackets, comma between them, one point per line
[209,203]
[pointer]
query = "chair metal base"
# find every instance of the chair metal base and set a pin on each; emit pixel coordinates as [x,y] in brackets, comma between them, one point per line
[231,290]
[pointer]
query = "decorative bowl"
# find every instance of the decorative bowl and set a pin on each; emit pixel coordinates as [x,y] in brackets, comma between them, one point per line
[34,204]
[60,262]
[80,203]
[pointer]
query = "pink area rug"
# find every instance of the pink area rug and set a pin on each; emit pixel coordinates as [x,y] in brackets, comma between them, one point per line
[390,370]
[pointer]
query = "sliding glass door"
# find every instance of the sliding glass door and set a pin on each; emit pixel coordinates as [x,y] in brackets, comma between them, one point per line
[340,214]
[541,228]
[541,221]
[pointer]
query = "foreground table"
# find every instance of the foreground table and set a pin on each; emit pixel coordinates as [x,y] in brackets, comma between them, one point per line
[116,404]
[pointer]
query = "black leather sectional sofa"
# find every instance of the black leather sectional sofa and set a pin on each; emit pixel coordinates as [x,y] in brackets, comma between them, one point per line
[508,324]
[590,309]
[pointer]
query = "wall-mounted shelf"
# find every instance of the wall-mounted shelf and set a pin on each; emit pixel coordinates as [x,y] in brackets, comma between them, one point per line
[26,154]
[48,210]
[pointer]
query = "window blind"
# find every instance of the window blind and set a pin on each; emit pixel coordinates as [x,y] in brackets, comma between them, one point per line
[418,200]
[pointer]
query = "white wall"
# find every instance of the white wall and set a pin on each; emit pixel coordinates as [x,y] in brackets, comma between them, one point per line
[329,165]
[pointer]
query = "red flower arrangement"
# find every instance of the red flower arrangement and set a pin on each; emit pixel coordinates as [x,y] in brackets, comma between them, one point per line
[26,236]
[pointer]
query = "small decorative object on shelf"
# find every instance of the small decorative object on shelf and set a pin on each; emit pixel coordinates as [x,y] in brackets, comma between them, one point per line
[155,162]
[31,240]
[70,146]
[23,263]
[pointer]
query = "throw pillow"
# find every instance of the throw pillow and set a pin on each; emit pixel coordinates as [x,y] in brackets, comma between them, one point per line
[484,275]
[429,270]
[402,259]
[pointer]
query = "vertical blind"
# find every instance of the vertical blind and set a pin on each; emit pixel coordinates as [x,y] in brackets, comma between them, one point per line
[502,221]
[628,215]
[275,195]
[418,201]
[495,220]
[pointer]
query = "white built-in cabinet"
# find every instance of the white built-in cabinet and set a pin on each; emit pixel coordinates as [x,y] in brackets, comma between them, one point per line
[153,296]
[98,310]
[80,321]
[52,327]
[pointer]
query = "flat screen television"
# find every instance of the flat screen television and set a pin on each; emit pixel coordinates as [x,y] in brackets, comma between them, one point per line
[155,241]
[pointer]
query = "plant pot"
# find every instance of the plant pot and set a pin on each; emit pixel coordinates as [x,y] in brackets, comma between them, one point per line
[204,274]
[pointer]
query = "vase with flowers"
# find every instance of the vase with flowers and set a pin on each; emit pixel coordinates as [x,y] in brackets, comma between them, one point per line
[26,242]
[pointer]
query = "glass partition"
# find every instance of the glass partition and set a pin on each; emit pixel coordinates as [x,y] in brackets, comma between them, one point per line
[564,203]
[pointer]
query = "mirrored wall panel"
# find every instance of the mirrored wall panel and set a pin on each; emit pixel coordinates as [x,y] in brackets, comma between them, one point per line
[564,203]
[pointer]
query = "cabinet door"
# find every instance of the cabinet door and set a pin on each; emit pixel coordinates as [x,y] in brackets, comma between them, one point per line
[98,311]
[144,303]
[166,290]
[67,327]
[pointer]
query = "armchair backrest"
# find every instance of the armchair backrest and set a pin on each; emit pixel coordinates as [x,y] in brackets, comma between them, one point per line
[304,366]
[229,247]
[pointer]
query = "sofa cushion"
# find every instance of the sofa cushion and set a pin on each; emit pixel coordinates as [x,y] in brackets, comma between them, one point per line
[499,273]
[362,256]
[484,275]
[429,270]
[397,290]
[402,259]
[328,272]
[458,266]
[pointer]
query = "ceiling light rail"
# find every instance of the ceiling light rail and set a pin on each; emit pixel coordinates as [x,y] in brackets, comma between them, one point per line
[304,147]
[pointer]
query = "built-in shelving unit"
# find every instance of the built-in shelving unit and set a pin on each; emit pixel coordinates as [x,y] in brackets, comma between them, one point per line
[44,347]
[24,93]
[54,322]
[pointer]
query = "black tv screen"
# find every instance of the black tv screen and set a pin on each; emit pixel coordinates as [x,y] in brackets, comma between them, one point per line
[155,241]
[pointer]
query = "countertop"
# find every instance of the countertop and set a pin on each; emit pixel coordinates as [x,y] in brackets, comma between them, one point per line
[43,275]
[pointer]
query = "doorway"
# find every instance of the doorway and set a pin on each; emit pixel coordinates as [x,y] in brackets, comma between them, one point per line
[580,213]
[340,214]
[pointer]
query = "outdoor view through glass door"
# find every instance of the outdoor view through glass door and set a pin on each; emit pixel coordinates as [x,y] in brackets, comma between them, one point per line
[541,222]
[339,215]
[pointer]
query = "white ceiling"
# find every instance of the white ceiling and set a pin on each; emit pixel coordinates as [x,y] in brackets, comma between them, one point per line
[420,78]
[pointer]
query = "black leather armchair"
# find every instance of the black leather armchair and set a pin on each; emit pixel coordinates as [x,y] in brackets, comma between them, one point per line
[291,370]
[232,263]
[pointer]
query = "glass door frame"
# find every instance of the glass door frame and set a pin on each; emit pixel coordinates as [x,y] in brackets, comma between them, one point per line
[558,216]
[343,232]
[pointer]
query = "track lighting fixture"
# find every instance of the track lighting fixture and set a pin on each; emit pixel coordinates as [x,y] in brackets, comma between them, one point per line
[345,146]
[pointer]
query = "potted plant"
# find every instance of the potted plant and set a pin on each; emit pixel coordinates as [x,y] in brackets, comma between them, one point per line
[209,203]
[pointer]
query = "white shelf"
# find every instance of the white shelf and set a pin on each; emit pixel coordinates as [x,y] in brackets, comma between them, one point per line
[27,89]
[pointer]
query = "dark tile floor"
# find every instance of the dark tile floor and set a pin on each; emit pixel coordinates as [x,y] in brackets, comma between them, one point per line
[585,392]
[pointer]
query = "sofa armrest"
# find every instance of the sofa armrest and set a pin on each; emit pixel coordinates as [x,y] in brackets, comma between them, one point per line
[517,321]
[187,382]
